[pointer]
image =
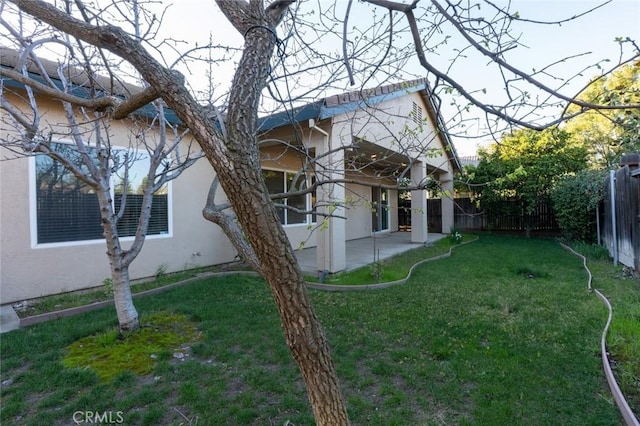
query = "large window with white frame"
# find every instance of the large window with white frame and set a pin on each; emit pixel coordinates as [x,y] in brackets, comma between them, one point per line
[280,182]
[67,209]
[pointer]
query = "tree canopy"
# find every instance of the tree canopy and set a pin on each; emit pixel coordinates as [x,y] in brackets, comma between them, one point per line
[523,167]
[609,133]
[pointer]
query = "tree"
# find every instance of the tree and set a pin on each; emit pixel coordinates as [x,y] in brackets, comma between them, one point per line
[609,134]
[523,167]
[98,159]
[230,143]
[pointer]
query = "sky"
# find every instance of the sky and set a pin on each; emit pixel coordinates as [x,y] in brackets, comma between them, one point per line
[589,40]
[591,36]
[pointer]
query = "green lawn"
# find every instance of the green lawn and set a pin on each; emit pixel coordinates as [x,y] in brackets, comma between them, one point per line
[502,332]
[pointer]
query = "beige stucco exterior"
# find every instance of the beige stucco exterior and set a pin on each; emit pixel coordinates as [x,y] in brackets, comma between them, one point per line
[385,128]
[29,270]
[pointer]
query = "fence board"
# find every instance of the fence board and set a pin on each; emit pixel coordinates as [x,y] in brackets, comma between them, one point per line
[469,217]
[627,213]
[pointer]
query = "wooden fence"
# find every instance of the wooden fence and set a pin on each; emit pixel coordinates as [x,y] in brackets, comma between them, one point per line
[469,217]
[621,228]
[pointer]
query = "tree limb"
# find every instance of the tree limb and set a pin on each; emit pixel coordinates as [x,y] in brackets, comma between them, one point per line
[134,102]
[230,226]
[97,104]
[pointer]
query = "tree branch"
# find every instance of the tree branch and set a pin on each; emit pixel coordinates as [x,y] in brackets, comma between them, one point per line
[97,104]
[495,57]
[230,226]
[134,102]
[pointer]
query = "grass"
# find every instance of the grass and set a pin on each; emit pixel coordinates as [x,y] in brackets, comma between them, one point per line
[161,335]
[394,268]
[502,332]
[104,293]
[623,340]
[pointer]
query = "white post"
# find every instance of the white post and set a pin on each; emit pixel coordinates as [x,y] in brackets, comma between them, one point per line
[419,231]
[448,218]
[330,237]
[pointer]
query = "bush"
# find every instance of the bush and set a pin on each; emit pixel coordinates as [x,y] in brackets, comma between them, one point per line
[575,199]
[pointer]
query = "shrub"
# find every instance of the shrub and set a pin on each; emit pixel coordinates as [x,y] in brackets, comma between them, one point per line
[575,198]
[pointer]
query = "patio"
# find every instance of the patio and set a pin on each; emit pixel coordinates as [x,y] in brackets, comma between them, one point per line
[360,252]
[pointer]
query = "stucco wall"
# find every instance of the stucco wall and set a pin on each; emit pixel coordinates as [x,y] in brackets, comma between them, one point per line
[389,125]
[359,211]
[28,270]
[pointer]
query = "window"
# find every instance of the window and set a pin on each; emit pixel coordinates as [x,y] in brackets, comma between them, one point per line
[379,209]
[67,209]
[279,182]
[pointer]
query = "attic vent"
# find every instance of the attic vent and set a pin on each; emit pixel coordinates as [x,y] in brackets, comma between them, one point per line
[416,113]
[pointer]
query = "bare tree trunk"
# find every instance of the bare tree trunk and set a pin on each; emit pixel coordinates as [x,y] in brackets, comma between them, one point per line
[122,298]
[237,164]
[230,227]
[125,309]
[304,335]
[249,196]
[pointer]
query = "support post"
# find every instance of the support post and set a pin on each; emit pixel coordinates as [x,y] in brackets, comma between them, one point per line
[419,231]
[614,225]
[448,218]
[330,236]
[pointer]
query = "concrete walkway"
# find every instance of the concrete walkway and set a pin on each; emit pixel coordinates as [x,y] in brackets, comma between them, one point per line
[9,320]
[360,252]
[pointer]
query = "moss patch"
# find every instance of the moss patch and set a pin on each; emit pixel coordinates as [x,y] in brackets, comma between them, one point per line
[161,335]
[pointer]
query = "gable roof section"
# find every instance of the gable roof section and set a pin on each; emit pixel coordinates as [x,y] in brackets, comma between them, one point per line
[352,101]
[338,104]
[319,110]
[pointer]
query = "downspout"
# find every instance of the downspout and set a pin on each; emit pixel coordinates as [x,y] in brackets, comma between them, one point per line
[614,233]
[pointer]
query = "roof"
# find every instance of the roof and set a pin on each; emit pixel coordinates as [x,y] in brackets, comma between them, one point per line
[319,110]
[470,160]
[351,101]
[78,79]
[337,104]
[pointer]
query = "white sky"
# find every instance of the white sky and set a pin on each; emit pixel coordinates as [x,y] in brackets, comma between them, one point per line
[195,20]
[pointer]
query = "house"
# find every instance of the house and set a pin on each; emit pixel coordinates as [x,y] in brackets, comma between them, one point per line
[366,143]
[361,143]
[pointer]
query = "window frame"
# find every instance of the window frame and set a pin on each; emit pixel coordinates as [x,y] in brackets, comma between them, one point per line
[33,208]
[381,210]
[308,198]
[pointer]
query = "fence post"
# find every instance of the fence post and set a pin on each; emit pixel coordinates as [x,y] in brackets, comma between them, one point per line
[598,223]
[614,233]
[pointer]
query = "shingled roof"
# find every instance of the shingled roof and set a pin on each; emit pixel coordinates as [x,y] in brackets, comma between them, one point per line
[82,84]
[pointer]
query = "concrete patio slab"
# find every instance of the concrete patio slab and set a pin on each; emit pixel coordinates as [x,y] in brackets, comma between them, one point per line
[360,252]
